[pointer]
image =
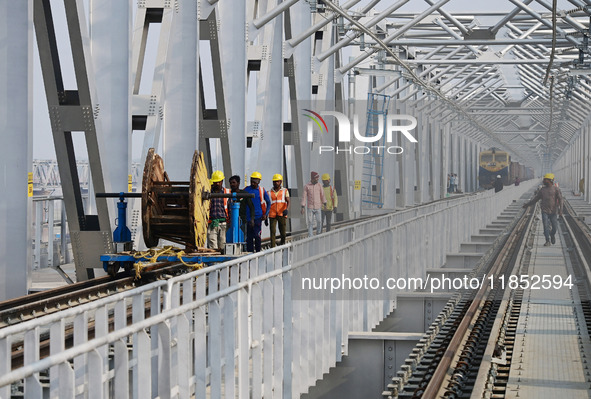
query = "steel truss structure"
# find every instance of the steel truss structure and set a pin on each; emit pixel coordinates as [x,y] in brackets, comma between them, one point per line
[229,78]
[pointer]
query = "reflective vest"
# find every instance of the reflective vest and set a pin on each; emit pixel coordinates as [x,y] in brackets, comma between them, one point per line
[263,202]
[225,191]
[325,207]
[278,202]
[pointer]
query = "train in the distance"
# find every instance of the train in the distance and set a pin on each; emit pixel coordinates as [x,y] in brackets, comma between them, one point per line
[494,162]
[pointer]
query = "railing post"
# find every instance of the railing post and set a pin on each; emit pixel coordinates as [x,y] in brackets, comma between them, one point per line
[33,387]
[5,363]
[38,233]
[50,233]
[243,343]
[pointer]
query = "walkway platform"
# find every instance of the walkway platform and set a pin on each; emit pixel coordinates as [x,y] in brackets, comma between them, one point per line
[552,348]
[48,278]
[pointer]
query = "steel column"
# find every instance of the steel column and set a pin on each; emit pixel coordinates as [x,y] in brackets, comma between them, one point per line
[110,30]
[16,130]
[181,138]
[233,64]
[74,111]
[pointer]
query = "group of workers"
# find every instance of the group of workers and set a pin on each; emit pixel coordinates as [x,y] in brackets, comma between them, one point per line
[318,203]
[267,206]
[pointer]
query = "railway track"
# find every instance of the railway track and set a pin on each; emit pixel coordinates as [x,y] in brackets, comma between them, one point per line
[41,303]
[468,350]
[17,310]
[25,308]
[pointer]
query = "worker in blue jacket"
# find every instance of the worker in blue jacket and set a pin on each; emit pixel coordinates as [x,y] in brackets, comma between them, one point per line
[262,206]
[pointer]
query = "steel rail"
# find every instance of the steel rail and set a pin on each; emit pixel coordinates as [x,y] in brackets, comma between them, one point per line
[25,308]
[437,380]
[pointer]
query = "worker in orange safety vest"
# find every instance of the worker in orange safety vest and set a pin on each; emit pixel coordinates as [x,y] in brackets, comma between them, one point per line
[279,209]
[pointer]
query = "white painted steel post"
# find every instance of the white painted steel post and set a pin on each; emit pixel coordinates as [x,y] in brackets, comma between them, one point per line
[300,20]
[323,74]
[110,33]
[267,149]
[66,381]
[587,174]
[181,125]
[16,129]
[50,233]
[38,234]
[33,388]
[5,363]
[80,338]
[233,45]
[95,375]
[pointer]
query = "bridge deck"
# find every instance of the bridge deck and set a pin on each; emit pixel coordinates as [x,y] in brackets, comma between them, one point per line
[551,345]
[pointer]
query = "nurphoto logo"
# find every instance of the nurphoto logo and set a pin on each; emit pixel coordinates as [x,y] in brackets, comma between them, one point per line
[379,142]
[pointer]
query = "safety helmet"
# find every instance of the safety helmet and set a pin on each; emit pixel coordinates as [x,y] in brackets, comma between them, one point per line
[277,176]
[499,177]
[326,176]
[256,175]
[217,176]
[549,176]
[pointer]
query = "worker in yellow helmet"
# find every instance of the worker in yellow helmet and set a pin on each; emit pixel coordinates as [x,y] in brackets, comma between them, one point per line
[279,209]
[332,201]
[262,206]
[218,214]
[551,206]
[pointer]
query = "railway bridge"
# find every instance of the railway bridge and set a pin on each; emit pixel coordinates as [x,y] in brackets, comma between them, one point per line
[430,284]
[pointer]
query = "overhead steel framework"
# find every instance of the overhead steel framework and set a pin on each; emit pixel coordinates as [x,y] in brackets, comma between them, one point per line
[230,77]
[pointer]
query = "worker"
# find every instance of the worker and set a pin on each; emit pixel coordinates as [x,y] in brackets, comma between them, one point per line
[245,203]
[262,206]
[498,184]
[312,200]
[332,201]
[551,205]
[279,209]
[218,214]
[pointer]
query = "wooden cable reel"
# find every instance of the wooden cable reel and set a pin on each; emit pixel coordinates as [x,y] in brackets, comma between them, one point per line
[174,210]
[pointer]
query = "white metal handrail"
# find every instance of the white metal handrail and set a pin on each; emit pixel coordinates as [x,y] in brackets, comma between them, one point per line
[235,329]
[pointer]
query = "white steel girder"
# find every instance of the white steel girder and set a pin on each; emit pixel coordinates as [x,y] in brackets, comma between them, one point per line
[16,129]
[448,66]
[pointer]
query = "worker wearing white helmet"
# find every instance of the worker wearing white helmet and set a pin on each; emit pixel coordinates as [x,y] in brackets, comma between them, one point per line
[498,184]
[279,209]
[551,206]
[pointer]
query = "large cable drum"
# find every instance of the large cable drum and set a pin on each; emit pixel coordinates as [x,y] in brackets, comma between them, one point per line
[175,210]
[199,206]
